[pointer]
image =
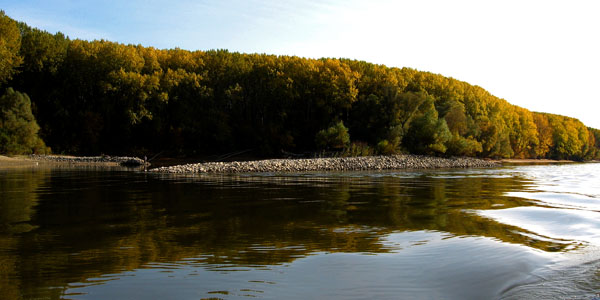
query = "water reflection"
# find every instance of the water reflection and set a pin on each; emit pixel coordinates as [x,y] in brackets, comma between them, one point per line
[420,263]
[89,233]
[17,203]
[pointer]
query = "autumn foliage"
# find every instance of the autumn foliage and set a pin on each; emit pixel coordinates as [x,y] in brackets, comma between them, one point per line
[93,97]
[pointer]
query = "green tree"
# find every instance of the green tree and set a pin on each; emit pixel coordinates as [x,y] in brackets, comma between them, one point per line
[335,137]
[18,128]
[461,146]
[426,133]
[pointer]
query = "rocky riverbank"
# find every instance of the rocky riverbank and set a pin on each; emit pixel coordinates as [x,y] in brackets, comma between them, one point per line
[331,164]
[104,159]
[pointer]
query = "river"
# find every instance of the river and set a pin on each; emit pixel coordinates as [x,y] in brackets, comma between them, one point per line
[514,232]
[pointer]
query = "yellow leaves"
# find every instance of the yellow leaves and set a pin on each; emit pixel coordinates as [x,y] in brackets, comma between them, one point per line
[234,91]
[10,42]
[182,59]
[456,119]
[122,79]
[133,90]
[163,97]
[150,56]
[173,78]
[274,100]
[569,137]
[341,79]
[545,133]
[523,131]
[106,56]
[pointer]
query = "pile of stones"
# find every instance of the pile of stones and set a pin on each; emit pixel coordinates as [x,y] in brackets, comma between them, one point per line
[331,164]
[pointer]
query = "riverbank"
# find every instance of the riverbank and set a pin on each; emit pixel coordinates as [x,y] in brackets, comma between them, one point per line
[275,165]
[29,160]
[104,159]
[331,164]
[534,161]
[16,161]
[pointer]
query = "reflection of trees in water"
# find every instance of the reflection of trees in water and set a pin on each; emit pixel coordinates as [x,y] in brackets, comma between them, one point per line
[18,199]
[17,202]
[97,223]
[9,284]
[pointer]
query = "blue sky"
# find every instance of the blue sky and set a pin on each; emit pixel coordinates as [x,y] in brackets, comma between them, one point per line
[542,55]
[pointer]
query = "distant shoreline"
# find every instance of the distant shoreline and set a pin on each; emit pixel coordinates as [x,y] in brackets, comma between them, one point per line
[33,160]
[278,165]
[533,161]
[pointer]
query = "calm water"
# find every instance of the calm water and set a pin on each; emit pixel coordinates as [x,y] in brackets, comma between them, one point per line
[522,232]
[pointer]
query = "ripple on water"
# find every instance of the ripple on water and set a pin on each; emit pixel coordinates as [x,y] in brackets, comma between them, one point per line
[560,200]
[565,203]
[557,223]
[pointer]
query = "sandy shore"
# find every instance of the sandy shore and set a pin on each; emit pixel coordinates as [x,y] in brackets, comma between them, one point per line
[16,161]
[332,164]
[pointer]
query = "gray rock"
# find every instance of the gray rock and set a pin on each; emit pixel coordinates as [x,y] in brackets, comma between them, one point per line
[332,164]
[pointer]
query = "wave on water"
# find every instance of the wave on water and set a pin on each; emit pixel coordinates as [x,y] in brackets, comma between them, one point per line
[565,206]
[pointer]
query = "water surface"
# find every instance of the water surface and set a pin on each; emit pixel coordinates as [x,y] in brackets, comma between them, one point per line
[520,232]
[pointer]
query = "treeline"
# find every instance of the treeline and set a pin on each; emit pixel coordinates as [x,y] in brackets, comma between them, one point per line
[104,97]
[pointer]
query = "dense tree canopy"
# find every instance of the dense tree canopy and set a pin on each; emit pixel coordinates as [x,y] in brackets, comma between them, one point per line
[10,42]
[104,97]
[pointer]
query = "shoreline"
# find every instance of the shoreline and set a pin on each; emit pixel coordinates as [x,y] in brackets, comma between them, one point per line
[364,163]
[535,161]
[104,160]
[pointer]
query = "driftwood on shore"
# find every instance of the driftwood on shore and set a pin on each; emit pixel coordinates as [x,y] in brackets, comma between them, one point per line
[331,164]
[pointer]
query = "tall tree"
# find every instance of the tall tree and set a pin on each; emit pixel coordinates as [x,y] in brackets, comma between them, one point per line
[10,42]
[18,128]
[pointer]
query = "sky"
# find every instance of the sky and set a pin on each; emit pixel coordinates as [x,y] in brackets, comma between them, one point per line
[541,55]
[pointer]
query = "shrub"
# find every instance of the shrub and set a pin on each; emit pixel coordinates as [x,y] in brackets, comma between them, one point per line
[335,137]
[358,149]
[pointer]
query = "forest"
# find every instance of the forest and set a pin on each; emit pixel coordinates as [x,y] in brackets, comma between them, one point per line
[99,97]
